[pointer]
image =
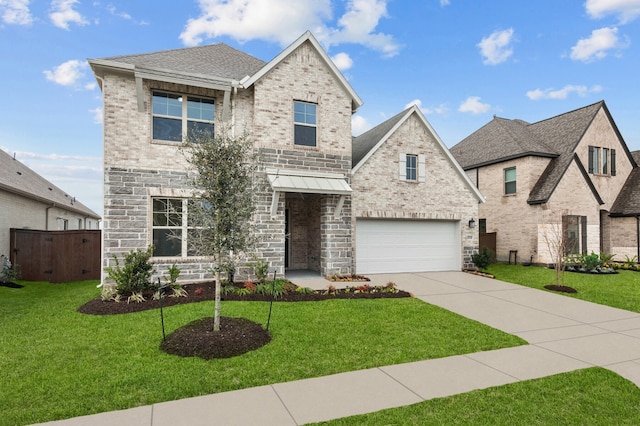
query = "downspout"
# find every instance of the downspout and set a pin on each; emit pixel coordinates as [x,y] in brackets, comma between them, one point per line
[46,216]
[103,161]
[638,237]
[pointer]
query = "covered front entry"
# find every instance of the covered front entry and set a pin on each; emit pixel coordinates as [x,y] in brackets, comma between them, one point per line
[302,239]
[386,246]
[317,219]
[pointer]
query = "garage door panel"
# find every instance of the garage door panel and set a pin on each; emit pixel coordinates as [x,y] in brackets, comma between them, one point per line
[406,246]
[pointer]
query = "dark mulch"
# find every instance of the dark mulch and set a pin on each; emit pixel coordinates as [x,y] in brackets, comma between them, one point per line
[11,285]
[236,336]
[561,288]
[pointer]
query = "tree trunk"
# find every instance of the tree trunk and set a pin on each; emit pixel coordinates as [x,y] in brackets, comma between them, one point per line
[216,312]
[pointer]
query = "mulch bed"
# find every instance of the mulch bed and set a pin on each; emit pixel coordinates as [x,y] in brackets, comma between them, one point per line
[11,285]
[236,336]
[561,288]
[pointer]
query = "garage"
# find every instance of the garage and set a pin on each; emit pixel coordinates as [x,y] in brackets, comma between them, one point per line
[386,246]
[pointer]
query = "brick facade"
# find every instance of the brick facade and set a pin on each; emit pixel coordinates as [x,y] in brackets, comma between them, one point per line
[379,193]
[529,228]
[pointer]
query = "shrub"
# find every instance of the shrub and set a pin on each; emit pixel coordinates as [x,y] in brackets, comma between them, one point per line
[135,274]
[483,259]
[8,272]
[174,273]
[591,261]
[260,269]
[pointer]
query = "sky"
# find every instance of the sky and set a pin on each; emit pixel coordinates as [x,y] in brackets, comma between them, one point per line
[460,61]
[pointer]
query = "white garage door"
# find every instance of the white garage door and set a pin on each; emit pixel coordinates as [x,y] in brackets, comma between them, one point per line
[407,246]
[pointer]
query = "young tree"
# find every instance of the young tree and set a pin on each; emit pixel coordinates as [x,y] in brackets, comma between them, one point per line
[220,215]
[554,235]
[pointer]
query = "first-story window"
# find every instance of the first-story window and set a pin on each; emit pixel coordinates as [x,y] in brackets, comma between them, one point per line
[176,115]
[510,180]
[167,226]
[412,167]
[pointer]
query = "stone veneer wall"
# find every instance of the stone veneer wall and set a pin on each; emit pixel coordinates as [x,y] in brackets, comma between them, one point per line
[334,258]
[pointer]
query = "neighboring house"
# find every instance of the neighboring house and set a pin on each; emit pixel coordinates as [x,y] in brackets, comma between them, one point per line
[28,201]
[412,203]
[297,108]
[559,179]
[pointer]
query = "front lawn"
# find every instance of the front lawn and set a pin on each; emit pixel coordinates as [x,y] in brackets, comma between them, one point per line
[620,290]
[57,363]
[594,396]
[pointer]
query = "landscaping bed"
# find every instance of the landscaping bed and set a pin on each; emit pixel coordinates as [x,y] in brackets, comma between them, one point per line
[236,335]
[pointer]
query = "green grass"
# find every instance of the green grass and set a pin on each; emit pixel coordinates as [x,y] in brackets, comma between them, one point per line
[593,396]
[57,363]
[620,290]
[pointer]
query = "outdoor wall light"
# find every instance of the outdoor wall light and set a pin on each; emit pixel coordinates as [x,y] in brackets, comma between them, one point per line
[472,223]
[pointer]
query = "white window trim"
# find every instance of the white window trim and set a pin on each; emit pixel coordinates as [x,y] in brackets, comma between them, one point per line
[297,123]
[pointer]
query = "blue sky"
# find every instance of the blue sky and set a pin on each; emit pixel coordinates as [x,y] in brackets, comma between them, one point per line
[461,61]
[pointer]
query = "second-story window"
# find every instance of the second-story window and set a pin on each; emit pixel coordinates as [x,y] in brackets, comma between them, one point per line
[176,115]
[412,167]
[604,164]
[304,122]
[510,181]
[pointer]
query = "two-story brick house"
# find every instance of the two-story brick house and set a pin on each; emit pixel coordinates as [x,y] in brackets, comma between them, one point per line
[557,178]
[297,109]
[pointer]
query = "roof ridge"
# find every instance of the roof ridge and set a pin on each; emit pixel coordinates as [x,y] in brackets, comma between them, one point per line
[601,102]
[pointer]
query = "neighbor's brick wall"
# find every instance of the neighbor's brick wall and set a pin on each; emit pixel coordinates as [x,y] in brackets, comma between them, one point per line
[509,216]
[601,134]
[624,237]
[379,193]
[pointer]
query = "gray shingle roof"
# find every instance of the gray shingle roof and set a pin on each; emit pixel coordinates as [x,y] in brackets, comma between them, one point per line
[556,137]
[364,143]
[216,60]
[17,178]
[628,201]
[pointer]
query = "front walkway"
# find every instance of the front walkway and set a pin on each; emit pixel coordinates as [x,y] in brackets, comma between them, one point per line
[565,334]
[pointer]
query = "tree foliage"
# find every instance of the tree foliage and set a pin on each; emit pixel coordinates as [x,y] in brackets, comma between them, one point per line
[220,215]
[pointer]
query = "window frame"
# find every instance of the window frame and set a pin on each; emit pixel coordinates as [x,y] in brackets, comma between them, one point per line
[507,182]
[305,124]
[411,170]
[186,103]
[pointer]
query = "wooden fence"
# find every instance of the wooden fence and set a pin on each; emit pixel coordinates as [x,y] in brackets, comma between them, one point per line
[56,256]
[488,240]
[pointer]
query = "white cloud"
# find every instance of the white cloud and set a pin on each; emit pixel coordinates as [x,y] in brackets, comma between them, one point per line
[97,115]
[124,15]
[343,61]
[63,14]
[282,21]
[444,3]
[626,10]
[496,49]
[439,109]
[359,125]
[563,93]
[473,105]
[16,12]
[67,73]
[596,47]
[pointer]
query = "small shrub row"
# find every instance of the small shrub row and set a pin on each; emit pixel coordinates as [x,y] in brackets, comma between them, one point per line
[590,263]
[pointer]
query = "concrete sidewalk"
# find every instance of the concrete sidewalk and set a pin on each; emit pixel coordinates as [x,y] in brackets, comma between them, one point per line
[565,334]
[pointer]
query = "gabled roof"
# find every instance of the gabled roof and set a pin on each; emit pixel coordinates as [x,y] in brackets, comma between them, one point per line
[365,145]
[628,201]
[356,102]
[19,179]
[556,137]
